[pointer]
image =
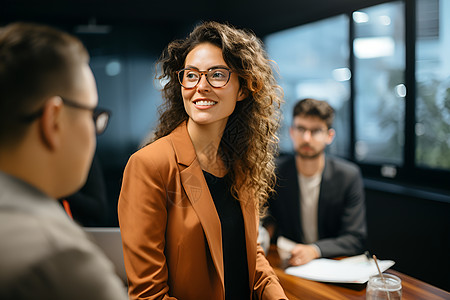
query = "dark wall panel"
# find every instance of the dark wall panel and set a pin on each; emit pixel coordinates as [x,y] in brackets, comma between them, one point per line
[412,231]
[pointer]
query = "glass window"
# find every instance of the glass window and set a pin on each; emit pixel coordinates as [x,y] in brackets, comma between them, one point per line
[379,49]
[313,62]
[433,84]
[126,83]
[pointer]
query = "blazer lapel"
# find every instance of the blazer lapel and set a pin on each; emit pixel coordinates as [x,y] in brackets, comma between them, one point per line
[251,223]
[197,191]
[294,190]
[326,190]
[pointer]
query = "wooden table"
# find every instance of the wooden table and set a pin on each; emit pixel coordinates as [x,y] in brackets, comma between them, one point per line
[297,288]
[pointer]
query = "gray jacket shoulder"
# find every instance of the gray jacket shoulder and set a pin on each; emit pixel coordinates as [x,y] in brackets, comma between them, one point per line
[43,252]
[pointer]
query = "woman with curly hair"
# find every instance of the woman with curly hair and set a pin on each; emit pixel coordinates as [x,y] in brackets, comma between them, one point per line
[190,200]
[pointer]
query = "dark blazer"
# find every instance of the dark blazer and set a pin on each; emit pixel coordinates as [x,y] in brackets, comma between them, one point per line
[171,231]
[341,208]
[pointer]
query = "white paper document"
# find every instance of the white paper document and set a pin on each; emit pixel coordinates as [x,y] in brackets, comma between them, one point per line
[355,269]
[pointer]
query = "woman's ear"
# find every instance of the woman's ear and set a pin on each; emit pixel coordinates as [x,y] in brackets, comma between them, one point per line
[50,123]
[243,93]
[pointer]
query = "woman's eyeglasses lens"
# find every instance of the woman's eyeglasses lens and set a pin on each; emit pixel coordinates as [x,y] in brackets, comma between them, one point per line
[217,77]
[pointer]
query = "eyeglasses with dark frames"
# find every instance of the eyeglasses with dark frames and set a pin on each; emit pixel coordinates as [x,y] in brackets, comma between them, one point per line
[217,77]
[314,132]
[99,115]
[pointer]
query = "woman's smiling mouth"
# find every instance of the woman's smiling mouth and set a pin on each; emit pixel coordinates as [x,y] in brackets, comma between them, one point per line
[204,103]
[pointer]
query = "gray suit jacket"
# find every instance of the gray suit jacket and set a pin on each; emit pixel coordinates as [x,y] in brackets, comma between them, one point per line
[341,209]
[44,254]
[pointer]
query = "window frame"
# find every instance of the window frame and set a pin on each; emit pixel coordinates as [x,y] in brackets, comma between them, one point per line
[409,175]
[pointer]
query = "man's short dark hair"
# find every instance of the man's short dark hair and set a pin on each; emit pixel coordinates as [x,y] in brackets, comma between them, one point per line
[36,62]
[315,108]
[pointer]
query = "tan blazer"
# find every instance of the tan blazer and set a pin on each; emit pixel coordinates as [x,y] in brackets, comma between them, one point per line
[171,231]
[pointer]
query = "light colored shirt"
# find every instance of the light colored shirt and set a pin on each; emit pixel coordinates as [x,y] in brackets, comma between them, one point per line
[309,201]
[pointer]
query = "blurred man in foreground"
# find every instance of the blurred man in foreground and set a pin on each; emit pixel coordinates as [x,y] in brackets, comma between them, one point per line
[48,125]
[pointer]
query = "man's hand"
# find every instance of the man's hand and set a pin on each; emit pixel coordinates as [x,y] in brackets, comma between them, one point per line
[302,254]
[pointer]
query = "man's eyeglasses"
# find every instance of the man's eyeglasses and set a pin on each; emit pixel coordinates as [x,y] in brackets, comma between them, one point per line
[315,132]
[100,116]
[217,77]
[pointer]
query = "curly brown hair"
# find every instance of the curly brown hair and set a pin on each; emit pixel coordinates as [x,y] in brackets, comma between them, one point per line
[249,142]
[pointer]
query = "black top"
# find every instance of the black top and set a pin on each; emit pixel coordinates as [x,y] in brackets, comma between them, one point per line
[233,238]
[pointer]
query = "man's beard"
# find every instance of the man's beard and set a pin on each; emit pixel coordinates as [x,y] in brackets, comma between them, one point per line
[309,155]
